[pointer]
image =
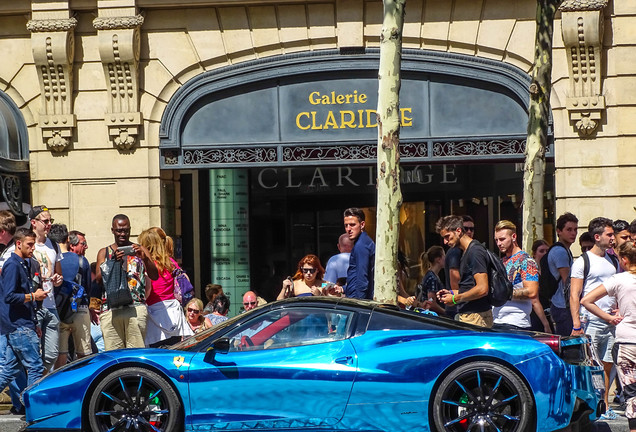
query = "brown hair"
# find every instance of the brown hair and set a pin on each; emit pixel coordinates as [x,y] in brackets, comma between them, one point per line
[428,258]
[7,222]
[628,250]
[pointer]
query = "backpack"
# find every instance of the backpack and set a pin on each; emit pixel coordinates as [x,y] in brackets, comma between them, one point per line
[69,294]
[183,289]
[499,286]
[548,284]
[115,282]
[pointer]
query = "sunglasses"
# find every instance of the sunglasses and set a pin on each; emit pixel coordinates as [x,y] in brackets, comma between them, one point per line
[467,228]
[196,311]
[249,304]
[308,270]
[46,221]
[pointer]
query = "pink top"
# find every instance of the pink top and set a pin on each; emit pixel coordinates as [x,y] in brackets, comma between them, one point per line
[162,288]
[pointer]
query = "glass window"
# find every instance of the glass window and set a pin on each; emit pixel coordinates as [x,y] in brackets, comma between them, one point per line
[289,328]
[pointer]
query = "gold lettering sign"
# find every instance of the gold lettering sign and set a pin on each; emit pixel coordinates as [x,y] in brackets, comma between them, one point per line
[343,119]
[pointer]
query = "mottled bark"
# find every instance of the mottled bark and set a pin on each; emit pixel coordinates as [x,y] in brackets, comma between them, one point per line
[539,115]
[389,192]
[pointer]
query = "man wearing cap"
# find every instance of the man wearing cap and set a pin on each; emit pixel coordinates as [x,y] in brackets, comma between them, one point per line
[47,255]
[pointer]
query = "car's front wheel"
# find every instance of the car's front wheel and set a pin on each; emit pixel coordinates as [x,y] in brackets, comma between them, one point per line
[482,396]
[134,399]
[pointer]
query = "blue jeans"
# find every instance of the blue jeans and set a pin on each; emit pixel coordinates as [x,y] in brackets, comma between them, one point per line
[49,322]
[23,351]
[16,386]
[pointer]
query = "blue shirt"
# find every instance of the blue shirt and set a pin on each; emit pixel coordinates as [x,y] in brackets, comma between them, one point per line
[337,267]
[16,282]
[361,268]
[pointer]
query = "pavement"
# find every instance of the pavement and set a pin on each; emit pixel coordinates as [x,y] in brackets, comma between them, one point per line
[12,423]
[8,421]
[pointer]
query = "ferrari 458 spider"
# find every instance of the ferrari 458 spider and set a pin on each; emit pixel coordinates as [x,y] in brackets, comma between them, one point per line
[328,364]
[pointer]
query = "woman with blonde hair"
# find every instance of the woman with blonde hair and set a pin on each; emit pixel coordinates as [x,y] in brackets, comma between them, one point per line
[197,322]
[307,280]
[166,323]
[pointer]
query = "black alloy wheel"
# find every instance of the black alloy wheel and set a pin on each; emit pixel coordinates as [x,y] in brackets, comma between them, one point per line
[482,396]
[134,399]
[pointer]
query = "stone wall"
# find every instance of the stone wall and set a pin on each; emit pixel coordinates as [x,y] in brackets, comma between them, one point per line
[96,176]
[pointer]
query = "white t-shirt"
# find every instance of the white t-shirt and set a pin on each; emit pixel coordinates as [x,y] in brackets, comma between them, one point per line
[45,254]
[622,286]
[601,269]
[6,254]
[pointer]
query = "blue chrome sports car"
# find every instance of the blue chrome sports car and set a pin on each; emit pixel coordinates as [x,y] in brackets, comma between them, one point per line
[328,364]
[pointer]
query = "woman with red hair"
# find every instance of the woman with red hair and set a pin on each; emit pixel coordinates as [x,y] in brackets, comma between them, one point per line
[307,280]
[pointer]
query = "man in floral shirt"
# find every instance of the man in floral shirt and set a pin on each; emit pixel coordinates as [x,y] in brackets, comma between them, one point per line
[522,272]
[124,326]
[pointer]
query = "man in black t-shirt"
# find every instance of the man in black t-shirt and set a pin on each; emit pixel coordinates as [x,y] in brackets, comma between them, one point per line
[471,300]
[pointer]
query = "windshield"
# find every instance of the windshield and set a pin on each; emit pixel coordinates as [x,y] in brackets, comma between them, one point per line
[191,343]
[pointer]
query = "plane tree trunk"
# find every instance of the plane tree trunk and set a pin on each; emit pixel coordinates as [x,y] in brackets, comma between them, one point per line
[539,115]
[389,198]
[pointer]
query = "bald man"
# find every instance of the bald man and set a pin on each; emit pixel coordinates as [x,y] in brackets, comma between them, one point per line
[249,300]
[337,265]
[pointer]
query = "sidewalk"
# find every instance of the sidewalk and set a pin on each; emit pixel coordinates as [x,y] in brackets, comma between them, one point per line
[8,421]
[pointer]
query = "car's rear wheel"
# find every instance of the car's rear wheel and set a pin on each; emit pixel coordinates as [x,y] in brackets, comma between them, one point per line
[482,396]
[134,399]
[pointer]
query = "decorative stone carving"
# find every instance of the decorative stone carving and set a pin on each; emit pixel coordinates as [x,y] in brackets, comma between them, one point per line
[52,25]
[582,30]
[119,44]
[582,5]
[118,23]
[53,46]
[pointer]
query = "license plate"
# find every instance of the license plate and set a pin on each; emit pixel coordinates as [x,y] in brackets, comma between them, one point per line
[599,381]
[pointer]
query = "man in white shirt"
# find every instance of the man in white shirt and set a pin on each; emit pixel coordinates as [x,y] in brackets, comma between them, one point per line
[47,254]
[589,271]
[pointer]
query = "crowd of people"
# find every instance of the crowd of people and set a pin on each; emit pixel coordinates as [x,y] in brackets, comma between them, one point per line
[55,305]
[594,294]
[55,302]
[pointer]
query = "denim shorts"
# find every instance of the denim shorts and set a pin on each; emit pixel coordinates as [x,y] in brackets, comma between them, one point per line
[602,335]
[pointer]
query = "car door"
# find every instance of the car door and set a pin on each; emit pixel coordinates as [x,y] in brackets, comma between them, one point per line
[285,368]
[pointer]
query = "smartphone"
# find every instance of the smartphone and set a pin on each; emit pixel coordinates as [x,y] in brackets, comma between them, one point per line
[127,250]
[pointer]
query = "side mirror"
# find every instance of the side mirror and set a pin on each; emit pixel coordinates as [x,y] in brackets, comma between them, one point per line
[220,346]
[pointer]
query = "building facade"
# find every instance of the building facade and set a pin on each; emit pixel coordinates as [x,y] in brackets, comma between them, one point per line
[244,129]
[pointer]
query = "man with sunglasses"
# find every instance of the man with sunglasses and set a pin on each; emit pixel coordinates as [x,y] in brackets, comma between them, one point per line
[250,300]
[47,253]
